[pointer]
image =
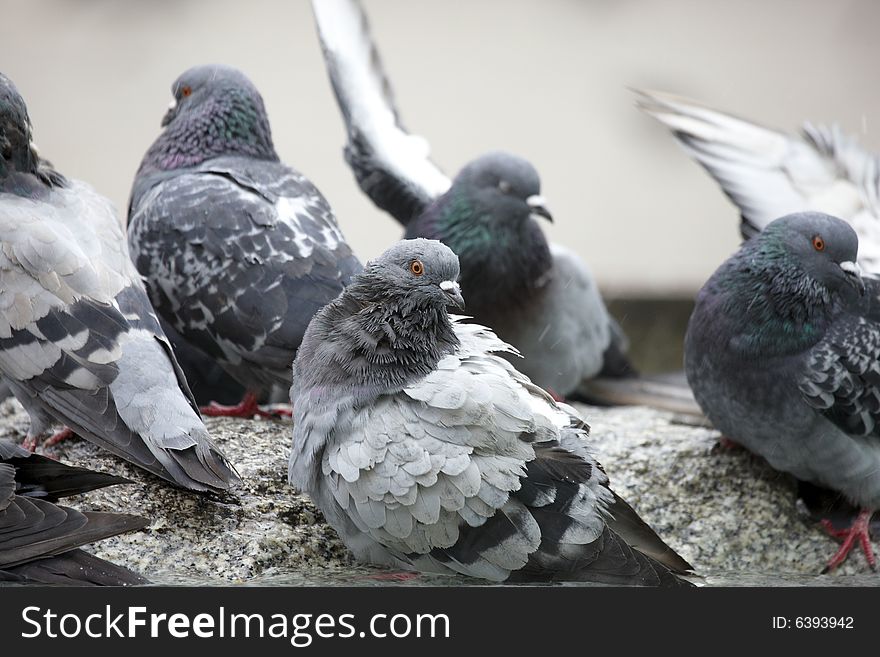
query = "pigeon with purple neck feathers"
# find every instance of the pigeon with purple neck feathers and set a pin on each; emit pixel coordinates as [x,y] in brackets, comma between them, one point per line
[538,296]
[768,174]
[80,344]
[427,451]
[39,539]
[783,354]
[237,249]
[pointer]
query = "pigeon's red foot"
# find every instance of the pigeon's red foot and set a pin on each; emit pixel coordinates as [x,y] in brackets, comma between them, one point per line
[58,436]
[29,443]
[246,408]
[728,445]
[403,576]
[858,531]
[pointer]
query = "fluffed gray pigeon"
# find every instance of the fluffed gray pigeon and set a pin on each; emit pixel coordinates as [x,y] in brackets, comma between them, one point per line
[768,174]
[427,451]
[238,250]
[39,539]
[79,343]
[783,355]
[538,296]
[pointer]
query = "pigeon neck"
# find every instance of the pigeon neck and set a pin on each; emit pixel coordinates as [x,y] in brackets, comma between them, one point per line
[233,123]
[383,342]
[774,306]
[503,261]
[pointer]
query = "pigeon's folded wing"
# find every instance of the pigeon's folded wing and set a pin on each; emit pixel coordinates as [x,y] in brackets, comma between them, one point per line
[768,174]
[841,376]
[391,166]
[79,339]
[247,276]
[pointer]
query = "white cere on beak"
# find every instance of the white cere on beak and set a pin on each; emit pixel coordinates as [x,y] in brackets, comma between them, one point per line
[172,104]
[536,201]
[446,286]
[851,268]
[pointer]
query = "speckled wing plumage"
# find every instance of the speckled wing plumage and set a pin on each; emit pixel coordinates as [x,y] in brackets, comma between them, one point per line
[239,254]
[841,376]
[80,344]
[38,538]
[475,470]
[391,166]
[768,174]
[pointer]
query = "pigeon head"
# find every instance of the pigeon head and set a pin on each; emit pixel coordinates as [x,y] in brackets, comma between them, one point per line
[420,270]
[502,189]
[784,286]
[488,217]
[389,327]
[15,126]
[824,247]
[18,155]
[215,111]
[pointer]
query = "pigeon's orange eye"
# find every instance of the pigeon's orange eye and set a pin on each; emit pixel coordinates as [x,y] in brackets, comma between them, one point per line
[818,243]
[416,267]
[186,91]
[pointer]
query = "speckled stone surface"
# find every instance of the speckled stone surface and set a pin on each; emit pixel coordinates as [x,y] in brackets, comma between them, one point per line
[724,510]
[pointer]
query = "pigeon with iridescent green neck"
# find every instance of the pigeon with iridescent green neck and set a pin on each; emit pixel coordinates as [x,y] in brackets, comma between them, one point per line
[237,249]
[783,355]
[538,296]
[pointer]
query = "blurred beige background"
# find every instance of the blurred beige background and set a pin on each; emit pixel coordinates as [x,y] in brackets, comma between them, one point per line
[547,80]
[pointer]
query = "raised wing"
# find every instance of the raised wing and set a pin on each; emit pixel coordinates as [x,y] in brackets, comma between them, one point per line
[391,166]
[768,174]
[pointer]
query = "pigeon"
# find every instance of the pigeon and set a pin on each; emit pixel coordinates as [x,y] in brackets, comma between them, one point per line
[80,344]
[39,540]
[427,451]
[540,297]
[768,174]
[237,249]
[783,355]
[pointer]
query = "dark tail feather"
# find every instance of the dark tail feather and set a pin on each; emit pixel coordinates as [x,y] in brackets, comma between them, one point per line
[636,532]
[39,476]
[77,568]
[619,563]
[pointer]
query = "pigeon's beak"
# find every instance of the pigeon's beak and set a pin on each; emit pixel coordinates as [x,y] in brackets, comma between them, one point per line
[171,113]
[853,275]
[452,290]
[538,205]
